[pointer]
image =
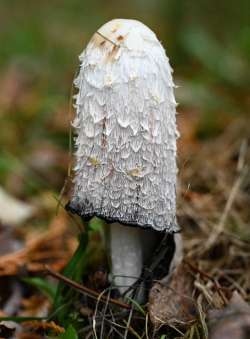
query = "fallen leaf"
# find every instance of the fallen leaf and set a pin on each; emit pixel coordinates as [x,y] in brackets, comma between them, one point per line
[44,326]
[49,247]
[35,306]
[171,302]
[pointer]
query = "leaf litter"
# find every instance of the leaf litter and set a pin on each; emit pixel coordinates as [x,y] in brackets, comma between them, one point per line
[213,200]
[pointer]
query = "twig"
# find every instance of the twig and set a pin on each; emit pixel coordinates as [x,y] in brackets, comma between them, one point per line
[116,317]
[234,283]
[218,229]
[202,317]
[146,326]
[130,328]
[203,289]
[112,328]
[208,276]
[104,37]
[59,204]
[104,314]
[128,322]
[85,290]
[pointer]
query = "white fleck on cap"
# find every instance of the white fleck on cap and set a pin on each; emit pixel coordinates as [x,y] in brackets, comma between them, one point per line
[125,125]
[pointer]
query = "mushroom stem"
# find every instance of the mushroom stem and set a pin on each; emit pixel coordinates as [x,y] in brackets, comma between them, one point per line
[126,255]
[130,249]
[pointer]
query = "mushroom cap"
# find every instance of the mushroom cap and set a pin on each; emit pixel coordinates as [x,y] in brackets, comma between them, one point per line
[125,125]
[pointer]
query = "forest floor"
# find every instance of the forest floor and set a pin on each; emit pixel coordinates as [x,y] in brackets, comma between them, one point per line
[209,291]
[50,290]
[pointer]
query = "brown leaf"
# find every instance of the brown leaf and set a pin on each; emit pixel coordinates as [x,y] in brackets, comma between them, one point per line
[171,302]
[35,306]
[43,326]
[232,322]
[49,247]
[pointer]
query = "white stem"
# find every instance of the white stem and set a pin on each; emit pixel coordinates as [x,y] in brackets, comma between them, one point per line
[126,255]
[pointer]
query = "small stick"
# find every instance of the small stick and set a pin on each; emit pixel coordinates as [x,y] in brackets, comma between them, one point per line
[219,228]
[104,37]
[208,276]
[59,204]
[104,314]
[83,289]
[130,329]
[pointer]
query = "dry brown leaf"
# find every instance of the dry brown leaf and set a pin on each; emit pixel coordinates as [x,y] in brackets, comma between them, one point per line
[43,326]
[35,306]
[232,322]
[171,303]
[49,247]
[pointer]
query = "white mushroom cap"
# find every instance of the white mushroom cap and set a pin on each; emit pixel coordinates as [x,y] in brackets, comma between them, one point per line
[125,128]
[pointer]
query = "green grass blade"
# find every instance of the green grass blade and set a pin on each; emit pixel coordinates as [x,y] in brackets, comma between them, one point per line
[137,306]
[42,285]
[74,270]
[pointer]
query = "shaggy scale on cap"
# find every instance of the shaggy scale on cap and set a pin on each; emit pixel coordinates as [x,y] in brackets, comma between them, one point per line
[125,127]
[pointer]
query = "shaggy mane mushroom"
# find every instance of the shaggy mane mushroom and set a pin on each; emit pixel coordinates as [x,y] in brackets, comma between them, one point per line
[125,157]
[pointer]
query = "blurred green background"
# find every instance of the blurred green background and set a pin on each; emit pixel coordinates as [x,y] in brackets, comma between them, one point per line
[208,43]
